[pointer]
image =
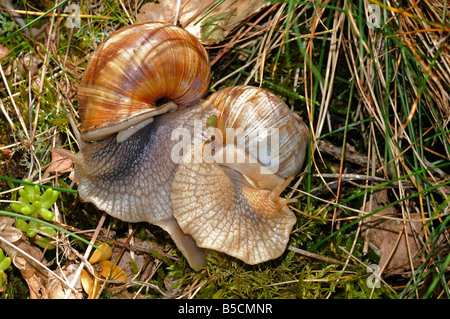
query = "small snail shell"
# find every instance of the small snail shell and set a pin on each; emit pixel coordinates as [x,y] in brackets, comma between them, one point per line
[136,70]
[263,117]
[236,207]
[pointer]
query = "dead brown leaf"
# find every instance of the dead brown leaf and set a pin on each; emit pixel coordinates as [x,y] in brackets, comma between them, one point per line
[388,235]
[4,52]
[59,164]
[7,231]
[35,281]
[42,283]
[193,10]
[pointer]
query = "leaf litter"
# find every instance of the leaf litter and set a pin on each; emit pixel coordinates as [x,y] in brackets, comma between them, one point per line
[219,23]
[398,241]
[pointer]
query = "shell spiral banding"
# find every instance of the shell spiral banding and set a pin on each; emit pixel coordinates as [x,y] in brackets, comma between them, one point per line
[258,112]
[137,67]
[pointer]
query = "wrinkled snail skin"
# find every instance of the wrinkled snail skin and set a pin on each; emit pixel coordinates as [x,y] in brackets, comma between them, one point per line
[131,76]
[138,171]
[240,220]
[132,180]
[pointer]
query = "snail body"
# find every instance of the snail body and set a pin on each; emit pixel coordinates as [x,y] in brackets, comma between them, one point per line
[131,180]
[236,205]
[127,168]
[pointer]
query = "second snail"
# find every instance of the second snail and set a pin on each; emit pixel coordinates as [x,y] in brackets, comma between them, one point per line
[209,171]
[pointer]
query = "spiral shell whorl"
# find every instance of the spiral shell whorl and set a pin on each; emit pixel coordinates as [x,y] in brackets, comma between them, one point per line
[137,67]
[257,112]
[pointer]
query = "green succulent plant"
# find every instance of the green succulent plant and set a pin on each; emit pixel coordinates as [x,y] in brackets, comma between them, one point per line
[34,204]
[5,262]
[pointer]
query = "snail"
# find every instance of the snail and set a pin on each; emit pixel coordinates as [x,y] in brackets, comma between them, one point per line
[146,82]
[234,206]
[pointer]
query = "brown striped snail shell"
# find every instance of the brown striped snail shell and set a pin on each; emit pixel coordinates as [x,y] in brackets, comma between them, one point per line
[263,117]
[135,72]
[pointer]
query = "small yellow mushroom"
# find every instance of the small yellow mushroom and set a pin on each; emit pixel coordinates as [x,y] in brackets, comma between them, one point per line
[108,270]
[90,284]
[103,268]
[103,253]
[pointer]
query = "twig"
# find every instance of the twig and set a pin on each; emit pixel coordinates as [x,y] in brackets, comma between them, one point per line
[76,277]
